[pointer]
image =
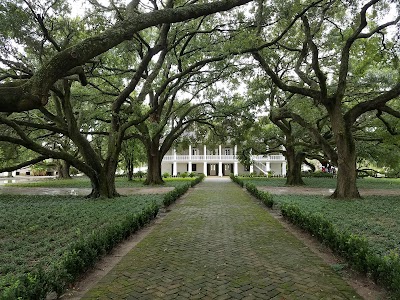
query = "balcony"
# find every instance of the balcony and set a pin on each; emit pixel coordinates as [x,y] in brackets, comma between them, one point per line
[187,158]
[223,158]
[265,158]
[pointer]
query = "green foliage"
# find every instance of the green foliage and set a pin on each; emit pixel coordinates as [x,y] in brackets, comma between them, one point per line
[330,183]
[237,180]
[166,175]
[173,195]
[317,174]
[264,197]
[356,249]
[47,242]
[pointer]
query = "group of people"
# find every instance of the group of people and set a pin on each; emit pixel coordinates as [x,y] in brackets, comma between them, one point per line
[329,169]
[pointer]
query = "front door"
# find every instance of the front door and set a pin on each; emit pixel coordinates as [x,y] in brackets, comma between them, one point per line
[213,170]
[227,169]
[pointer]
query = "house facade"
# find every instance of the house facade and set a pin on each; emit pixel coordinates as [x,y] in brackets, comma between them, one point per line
[220,161]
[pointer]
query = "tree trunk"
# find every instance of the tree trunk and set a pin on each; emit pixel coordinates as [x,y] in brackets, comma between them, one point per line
[129,167]
[294,161]
[346,186]
[64,170]
[103,182]
[153,165]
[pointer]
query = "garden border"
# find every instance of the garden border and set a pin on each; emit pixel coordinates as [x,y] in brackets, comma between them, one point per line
[384,270]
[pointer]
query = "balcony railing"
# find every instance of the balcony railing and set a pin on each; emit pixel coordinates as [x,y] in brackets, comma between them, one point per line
[268,157]
[187,158]
[199,157]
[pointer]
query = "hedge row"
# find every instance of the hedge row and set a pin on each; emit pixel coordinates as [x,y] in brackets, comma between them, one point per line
[237,180]
[80,257]
[264,197]
[384,270]
[84,253]
[173,195]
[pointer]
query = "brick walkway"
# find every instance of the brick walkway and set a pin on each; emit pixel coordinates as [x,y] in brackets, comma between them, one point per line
[219,243]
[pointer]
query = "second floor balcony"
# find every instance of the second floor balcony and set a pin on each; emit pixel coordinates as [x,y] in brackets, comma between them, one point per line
[223,158]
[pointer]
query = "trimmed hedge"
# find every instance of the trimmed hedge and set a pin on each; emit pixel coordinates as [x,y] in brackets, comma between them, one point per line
[84,253]
[384,270]
[80,257]
[264,197]
[236,180]
[173,195]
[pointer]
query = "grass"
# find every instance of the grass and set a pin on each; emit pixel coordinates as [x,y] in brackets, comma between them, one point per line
[374,217]
[37,230]
[364,183]
[84,182]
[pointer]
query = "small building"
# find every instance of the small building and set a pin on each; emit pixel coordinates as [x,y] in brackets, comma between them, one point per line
[221,161]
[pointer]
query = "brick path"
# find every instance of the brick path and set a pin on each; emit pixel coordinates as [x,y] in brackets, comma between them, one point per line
[219,243]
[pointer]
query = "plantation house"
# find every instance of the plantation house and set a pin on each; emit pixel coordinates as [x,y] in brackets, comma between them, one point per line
[220,161]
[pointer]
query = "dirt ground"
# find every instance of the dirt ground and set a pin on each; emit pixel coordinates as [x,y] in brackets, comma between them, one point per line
[299,190]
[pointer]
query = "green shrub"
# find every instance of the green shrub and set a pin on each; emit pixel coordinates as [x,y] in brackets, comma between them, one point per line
[166,175]
[236,180]
[78,258]
[173,195]
[318,174]
[264,197]
[355,249]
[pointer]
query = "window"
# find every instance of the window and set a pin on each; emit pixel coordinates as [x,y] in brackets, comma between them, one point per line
[227,151]
[194,167]
[195,151]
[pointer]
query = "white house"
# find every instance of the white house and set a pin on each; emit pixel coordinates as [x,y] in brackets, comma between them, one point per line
[221,161]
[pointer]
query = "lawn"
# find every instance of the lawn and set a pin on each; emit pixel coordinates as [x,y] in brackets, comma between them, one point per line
[374,217]
[84,182]
[315,182]
[37,230]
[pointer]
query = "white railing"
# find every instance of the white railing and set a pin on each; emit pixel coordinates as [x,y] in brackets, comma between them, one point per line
[201,157]
[267,157]
[261,167]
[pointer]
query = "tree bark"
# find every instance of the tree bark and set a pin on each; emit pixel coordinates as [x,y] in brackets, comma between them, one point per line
[103,184]
[34,93]
[129,166]
[154,159]
[63,168]
[294,162]
[346,186]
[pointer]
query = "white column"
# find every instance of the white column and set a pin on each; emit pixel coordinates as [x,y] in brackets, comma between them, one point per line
[284,168]
[175,166]
[235,150]
[220,168]
[205,156]
[268,166]
[205,167]
[251,168]
[235,168]
[220,151]
[190,159]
